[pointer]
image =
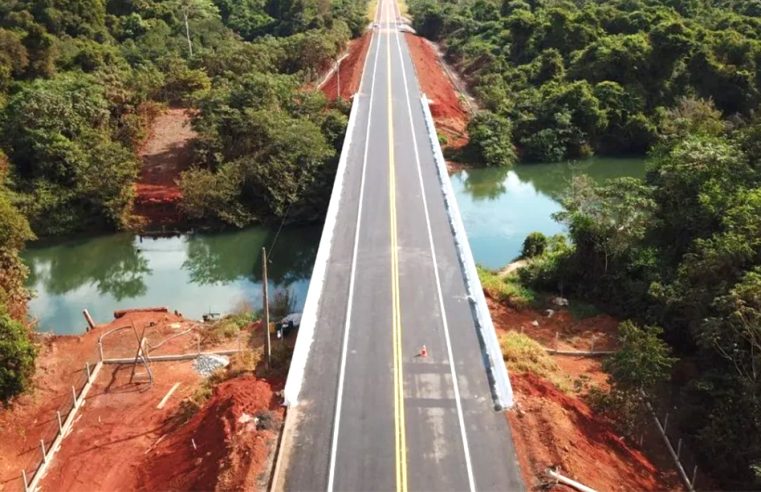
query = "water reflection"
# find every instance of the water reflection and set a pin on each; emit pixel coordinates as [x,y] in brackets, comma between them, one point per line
[501,206]
[194,274]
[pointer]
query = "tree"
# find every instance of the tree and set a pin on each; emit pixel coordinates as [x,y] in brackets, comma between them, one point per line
[195,9]
[490,139]
[642,361]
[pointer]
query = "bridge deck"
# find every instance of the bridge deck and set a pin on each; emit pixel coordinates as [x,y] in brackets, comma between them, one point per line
[371,414]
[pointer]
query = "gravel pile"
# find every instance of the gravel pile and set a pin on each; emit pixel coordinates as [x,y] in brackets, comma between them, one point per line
[207,364]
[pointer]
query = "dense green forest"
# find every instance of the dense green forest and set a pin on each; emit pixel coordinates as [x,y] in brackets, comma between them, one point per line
[680,252]
[566,79]
[82,80]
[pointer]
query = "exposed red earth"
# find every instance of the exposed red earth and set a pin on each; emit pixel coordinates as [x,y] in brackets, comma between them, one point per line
[448,113]
[553,428]
[225,446]
[120,435]
[166,153]
[350,71]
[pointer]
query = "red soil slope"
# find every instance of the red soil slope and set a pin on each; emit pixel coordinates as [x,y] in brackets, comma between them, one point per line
[350,73]
[552,429]
[219,448]
[450,117]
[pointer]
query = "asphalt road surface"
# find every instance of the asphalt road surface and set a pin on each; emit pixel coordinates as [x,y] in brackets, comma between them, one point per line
[373,414]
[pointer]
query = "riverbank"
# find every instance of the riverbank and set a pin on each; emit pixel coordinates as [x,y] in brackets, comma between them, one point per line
[125,426]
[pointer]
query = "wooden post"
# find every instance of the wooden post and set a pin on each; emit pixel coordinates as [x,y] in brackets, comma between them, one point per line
[87,368]
[100,349]
[266,307]
[88,318]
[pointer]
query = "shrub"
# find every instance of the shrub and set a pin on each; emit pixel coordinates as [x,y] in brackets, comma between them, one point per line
[534,245]
[17,354]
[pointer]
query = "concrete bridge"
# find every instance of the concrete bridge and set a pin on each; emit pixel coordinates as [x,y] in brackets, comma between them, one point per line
[394,272]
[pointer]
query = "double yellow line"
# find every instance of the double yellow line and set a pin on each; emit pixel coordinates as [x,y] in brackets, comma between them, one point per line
[400,442]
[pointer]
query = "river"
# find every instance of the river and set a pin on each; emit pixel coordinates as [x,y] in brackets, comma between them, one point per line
[221,272]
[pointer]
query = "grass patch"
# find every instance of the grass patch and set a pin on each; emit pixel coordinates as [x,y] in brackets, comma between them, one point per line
[524,354]
[507,289]
[228,327]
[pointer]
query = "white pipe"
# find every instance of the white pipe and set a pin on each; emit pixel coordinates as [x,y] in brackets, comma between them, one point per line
[567,481]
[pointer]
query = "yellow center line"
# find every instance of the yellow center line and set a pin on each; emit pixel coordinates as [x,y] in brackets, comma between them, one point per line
[396,323]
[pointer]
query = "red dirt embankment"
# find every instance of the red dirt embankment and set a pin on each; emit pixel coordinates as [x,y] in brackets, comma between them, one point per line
[166,153]
[225,446]
[553,428]
[350,71]
[448,113]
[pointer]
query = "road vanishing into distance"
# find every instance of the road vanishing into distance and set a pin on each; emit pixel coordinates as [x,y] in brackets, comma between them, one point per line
[373,414]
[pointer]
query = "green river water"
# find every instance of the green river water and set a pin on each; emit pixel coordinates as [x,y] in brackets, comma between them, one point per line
[220,272]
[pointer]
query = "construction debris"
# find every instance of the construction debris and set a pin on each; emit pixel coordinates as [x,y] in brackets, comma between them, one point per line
[206,364]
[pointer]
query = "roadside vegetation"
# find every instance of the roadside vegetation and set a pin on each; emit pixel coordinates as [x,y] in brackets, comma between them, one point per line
[681,251]
[559,80]
[81,82]
[678,254]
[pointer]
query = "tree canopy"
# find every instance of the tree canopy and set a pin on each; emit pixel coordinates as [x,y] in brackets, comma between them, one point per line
[583,77]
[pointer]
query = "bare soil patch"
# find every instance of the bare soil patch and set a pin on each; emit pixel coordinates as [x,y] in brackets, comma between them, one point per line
[225,446]
[165,154]
[553,428]
[572,334]
[448,113]
[119,429]
[350,71]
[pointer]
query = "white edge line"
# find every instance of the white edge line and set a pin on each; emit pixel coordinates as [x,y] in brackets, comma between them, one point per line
[450,355]
[352,276]
[503,391]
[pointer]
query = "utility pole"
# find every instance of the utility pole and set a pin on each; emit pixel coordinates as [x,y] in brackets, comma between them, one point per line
[268,347]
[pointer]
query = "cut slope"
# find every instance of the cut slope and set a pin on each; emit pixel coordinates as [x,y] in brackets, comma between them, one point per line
[448,113]
[350,73]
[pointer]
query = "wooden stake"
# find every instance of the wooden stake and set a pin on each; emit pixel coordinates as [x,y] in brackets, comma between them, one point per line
[266,306]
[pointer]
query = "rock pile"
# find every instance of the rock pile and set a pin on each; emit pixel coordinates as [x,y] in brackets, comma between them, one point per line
[208,363]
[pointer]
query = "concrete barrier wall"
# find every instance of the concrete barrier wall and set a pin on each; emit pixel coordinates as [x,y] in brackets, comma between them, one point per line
[311,305]
[503,391]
